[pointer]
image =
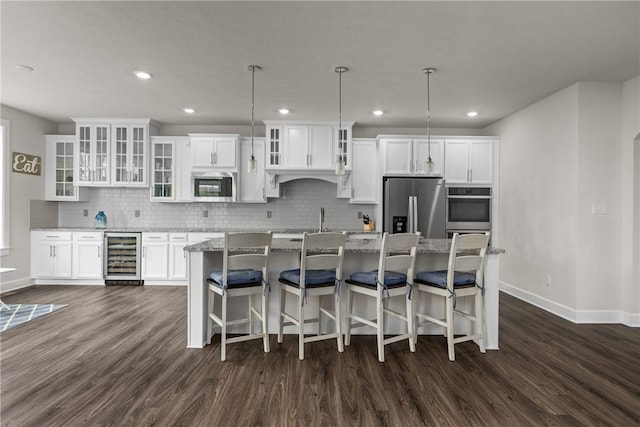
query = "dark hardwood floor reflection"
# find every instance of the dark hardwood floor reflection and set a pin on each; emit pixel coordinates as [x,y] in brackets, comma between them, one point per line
[117,356]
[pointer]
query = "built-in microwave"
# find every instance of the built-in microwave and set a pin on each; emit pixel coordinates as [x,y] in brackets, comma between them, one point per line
[468,209]
[213,187]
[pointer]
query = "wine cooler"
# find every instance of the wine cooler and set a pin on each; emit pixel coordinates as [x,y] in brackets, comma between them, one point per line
[122,259]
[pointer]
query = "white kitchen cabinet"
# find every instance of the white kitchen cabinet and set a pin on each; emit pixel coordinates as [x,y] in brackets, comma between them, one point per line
[306,145]
[51,254]
[198,237]
[112,152]
[155,256]
[251,185]
[87,255]
[177,256]
[365,181]
[92,151]
[169,169]
[59,184]
[214,152]
[407,155]
[469,162]
[129,161]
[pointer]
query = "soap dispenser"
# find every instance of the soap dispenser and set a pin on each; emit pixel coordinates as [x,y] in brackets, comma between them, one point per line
[101,220]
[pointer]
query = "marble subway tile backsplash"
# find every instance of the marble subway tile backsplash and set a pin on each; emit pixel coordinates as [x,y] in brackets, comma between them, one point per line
[297,208]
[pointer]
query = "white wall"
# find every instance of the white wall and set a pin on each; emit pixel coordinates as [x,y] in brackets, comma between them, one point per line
[557,158]
[27,136]
[538,177]
[599,236]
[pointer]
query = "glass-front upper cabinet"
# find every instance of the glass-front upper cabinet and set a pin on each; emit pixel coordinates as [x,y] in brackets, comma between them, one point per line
[169,169]
[60,184]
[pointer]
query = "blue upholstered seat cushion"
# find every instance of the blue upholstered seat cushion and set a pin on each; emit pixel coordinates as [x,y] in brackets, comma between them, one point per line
[391,278]
[312,277]
[439,278]
[237,277]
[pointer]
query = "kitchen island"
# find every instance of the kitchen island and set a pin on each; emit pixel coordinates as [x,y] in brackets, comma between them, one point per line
[360,255]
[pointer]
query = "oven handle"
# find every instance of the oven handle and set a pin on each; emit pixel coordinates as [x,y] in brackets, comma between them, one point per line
[468,197]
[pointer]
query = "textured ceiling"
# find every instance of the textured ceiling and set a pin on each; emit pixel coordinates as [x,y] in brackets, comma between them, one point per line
[492,57]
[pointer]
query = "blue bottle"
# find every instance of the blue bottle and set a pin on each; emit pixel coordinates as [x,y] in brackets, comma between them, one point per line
[101,220]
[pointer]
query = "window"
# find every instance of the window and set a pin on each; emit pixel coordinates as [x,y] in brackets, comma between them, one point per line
[5,169]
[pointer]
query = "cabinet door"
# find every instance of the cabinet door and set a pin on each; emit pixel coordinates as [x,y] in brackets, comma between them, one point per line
[177,256]
[421,154]
[92,148]
[321,147]
[481,162]
[296,147]
[252,184]
[456,167]
[364,174]
[87,258]
[225,152]
[62,258]
[202,152]
[397,155]
[273,147]
[59,169]
[42,258]
[163,170]
[155,257]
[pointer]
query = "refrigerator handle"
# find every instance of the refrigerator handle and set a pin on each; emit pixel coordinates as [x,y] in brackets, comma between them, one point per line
[413,215]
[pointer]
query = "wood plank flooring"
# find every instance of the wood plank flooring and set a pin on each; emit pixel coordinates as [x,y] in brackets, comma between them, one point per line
[117,356]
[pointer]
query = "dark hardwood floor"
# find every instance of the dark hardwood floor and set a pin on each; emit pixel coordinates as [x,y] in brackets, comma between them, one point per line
[117,356]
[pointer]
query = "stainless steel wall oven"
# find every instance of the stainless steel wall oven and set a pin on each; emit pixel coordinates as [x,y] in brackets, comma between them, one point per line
[468,209]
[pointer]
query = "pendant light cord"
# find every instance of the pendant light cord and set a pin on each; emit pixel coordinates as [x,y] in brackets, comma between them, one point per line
[428,71]
[253,72]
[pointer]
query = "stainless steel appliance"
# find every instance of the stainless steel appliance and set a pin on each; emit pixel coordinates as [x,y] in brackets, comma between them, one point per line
[214,187]
[414,204]
[468,209]
[122,258]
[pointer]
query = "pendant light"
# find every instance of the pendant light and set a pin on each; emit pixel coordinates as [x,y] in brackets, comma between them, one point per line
[253,163]
[340,160]
[429,165]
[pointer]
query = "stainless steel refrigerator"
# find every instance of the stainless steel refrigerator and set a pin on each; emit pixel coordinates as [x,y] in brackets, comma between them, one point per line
[412,204]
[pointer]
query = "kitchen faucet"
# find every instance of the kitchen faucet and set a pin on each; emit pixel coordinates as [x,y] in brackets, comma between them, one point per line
[321,228]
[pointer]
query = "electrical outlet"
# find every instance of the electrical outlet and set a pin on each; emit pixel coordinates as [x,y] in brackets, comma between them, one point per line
[136,213]
[599,208]
[359,215]
[205,214]
[547,280]
[85,212]
[269,214]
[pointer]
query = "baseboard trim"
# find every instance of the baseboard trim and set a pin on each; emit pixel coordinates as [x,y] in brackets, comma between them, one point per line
[14,285]
[570,314]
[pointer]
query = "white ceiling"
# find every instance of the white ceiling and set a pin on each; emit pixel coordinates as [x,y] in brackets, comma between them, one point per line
[492,57]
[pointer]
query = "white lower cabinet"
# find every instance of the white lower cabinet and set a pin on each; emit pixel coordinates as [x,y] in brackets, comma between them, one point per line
[155,255]
[51,255]
[177,256]
[87,255]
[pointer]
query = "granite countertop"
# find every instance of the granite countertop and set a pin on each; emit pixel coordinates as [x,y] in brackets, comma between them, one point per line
[426,246]
[374,234]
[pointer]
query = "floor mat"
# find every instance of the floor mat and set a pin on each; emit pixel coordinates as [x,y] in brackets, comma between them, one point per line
[12,315]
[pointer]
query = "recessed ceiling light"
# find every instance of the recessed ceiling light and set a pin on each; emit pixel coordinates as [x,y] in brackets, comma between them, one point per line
[143,75]
[472,113]
[188,110]
[377,112]
[283,111]
[24,67]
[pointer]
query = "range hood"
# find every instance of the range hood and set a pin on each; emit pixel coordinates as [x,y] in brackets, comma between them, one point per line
[276,177]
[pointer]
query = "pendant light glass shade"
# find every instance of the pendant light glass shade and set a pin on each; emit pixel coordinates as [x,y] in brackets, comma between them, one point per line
[252,165]
[429,164]
[340,163]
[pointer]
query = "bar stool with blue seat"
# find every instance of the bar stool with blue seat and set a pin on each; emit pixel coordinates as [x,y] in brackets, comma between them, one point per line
[464,277]
[393,278]
[320,274]
[244,274]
